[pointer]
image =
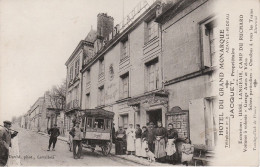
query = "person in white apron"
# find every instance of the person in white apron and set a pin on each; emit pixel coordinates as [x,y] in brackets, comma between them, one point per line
[130,134]
[170,146]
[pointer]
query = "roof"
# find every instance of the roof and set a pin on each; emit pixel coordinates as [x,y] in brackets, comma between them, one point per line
[92,36]
[98,113]
[81,43]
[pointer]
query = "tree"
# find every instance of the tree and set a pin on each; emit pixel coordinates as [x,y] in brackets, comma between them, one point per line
[57,96]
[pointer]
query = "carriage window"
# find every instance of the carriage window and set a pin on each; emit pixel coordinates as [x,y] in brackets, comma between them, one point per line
[108,124]
[89,123]
[99,123]
[83,122]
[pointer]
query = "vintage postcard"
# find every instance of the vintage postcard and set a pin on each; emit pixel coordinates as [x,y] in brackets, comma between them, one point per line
[129,82]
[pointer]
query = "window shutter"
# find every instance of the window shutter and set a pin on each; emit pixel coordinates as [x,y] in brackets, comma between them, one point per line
[197,121]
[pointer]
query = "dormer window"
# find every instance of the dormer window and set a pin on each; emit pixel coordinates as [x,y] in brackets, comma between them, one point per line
[124,49]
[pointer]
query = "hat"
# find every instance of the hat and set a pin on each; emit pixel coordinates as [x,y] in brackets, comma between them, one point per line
[7,122]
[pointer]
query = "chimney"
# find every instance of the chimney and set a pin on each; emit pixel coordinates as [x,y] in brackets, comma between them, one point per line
[105,25]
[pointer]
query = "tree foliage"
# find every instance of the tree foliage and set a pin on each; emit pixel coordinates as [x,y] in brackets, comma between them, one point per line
[57,96]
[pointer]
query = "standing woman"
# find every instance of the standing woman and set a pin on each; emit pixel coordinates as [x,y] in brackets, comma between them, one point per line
[160,140]
[130,133]
[144,141]
[138,142]
[171,147]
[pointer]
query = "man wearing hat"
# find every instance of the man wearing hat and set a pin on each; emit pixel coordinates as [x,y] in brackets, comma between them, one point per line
[77,140]
[54,132]
[5,142]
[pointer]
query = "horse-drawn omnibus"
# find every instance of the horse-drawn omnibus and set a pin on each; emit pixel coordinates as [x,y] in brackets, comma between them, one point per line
[97,125]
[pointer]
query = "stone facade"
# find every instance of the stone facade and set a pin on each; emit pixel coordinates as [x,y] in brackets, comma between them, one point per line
[188,73]
[160,67]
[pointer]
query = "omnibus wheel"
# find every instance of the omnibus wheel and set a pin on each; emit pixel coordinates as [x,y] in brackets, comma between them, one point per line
[106,148]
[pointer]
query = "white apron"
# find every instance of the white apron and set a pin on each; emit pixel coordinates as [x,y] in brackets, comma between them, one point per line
[130,139]
[144,145]
[170,147]
[138,147]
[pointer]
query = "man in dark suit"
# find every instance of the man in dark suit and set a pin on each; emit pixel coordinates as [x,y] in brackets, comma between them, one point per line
[54,132]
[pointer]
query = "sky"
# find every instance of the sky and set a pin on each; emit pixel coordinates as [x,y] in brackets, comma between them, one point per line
[36,39]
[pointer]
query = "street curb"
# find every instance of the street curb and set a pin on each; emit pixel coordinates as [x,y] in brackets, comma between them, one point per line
[129,159]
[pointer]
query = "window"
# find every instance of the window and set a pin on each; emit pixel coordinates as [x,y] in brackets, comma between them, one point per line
[152,75]
[101,96]
[76,92]
[71,73]
[124,49]
[89,123]
[124,86]
[124,119]
[88,101]
[77,67]
[101,66]
[88,77]
[99,123]
[151,30]
[208,36]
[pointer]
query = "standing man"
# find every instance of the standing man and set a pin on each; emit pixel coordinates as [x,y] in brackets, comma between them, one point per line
[160,140]
[54,132]
[151,137]
[5,142]
[77,140]
[130,134]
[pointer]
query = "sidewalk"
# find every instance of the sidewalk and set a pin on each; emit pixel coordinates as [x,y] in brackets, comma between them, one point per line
[132,158]
[139,160]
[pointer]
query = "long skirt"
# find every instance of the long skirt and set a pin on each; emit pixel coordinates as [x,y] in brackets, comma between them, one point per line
[170,147]
[119,147]
[159,151]
[130,144]
[138,147]
[144,146]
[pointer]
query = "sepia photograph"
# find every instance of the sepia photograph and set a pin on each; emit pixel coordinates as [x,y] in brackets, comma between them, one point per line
[129,83]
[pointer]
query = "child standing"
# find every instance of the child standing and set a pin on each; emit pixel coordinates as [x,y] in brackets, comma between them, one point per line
[187,152]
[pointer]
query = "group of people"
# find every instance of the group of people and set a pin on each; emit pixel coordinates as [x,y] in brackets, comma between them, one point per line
[76,134]
[158,140]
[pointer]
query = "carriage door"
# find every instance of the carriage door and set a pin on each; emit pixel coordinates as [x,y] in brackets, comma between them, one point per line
[180,120]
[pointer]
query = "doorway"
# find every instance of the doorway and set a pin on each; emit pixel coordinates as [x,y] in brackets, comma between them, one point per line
[154,116]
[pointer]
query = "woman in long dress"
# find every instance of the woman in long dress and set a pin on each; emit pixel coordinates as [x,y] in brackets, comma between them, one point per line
[144,141]
[170,146]
[160,134]
[187,152]
[130,133]
[138,142]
